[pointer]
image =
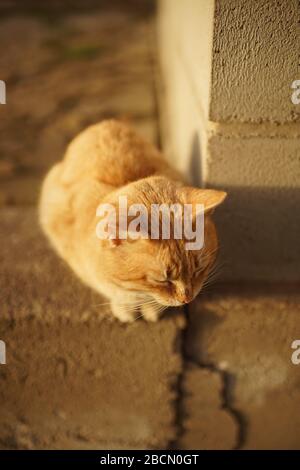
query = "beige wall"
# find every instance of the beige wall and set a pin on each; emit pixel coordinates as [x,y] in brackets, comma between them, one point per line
[255,60]
[185,98]
[229,122]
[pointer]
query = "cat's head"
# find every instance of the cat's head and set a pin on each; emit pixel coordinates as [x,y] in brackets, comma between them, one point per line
[163,269]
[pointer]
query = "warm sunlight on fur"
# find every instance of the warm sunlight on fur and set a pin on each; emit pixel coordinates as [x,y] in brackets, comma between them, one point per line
[141,277]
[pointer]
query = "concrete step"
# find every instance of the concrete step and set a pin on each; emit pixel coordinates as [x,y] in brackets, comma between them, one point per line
[244,334]
[75,377]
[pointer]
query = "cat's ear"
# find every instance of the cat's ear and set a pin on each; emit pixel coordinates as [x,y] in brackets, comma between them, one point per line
[210,198]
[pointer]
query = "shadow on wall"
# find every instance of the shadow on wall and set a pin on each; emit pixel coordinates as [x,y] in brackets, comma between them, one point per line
[195,162]
[259,228]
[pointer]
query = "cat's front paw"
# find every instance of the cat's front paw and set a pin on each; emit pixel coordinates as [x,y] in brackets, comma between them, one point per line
[122,313]
[150,313]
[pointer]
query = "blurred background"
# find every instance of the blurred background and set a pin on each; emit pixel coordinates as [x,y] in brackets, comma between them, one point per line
[66,66]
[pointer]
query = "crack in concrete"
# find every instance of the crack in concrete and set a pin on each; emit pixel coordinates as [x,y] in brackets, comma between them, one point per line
[240,419]
[179,388]
[227,379]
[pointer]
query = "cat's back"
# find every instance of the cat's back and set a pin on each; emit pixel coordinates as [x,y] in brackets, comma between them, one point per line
[111,152]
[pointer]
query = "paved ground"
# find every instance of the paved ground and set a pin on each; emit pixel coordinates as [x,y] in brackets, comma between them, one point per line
[63,73]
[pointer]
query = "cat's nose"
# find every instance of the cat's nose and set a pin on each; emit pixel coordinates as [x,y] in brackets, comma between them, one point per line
[188,295]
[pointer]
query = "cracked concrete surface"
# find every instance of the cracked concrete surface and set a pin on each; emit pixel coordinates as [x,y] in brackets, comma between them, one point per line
[246,333]
[207,421]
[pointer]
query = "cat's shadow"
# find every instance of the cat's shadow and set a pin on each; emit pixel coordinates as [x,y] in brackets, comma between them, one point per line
[195,162]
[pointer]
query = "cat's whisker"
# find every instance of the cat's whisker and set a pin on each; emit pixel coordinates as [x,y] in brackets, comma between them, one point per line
[212,276]
[138,305]
[140,316]
[126,304]
[216,268]
[209,254]
[212,288]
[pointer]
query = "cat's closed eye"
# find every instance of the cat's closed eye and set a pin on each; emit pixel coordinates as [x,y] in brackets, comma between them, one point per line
[162,282]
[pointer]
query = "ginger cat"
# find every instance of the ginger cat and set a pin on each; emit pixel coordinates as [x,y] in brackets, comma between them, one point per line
[140,277]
